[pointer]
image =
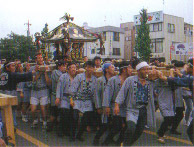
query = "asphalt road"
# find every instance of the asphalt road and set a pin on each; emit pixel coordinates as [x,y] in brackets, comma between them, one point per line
[26,136]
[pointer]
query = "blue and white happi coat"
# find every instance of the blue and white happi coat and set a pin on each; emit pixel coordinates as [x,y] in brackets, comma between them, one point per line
[83,92]
[110,93]
[99,91]
[127,96]
[63,90]
[54,78]
[165,99]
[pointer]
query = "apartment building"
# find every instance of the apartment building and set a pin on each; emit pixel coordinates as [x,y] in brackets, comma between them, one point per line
[129,43]
[167,32]
[113,38]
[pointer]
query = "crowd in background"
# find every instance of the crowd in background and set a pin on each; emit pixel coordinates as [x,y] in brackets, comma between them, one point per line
[100,96]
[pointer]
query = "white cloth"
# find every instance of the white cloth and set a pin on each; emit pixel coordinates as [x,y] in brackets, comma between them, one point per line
[141,65]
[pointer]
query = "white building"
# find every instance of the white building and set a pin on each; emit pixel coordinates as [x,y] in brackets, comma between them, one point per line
[113,43]
[166,31]
[129,39]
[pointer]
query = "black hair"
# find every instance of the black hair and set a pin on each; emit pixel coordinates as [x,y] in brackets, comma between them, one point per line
[69,64]
[59,63]
[174,61]
[190,62]
[134,58]
[134,62]
[107,59]
[37,54]
[5,64]
[123,65]
[96,57]
[25,65]
[179,64]
[90,63]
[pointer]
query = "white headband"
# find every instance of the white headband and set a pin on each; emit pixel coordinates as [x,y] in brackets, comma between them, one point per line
[10,63]
[141,65]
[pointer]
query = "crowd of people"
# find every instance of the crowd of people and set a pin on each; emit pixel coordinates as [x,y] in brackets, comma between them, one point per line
[101,97]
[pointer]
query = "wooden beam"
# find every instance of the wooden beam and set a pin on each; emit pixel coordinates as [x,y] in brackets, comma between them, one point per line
[6,102]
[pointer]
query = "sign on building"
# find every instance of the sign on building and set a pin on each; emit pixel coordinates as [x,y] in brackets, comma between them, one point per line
[181,49]
[154,17]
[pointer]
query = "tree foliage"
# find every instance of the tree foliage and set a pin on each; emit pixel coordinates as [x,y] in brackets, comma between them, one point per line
[44,34]
[142,42]
[16,47]
[45,30]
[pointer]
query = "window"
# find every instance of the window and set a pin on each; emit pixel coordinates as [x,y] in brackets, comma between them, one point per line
[116,51]
[116,36]
[171,28]
[126,29]
[104,36]
[128,38]
[160,27]
[191,33]
[151,27]
[155,27]
[98,51]
[185,30]
[157,46]
[93,51]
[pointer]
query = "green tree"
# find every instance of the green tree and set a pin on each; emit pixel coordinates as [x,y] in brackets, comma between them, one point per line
[142,41]
[45,30]
[44,33]
[16,47]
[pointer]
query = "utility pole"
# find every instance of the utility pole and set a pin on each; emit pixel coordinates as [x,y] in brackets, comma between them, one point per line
[163,6]
[28,31]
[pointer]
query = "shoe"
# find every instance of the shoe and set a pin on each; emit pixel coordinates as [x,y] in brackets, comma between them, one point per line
[161,140]
[44,125]
[147,127]
[34,124]
[41,120]
[186,123]
[24,118]
[35,121]
[175,132]
[80,138]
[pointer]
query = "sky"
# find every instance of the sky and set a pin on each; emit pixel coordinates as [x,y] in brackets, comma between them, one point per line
[15,13]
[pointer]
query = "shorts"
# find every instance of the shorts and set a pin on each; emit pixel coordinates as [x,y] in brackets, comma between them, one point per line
[42,100]
[40,96]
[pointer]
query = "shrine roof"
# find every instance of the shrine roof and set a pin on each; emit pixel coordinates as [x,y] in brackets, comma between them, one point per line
[76,33]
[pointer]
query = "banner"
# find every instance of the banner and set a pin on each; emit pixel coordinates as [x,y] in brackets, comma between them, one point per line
[154,17]
[181,48]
